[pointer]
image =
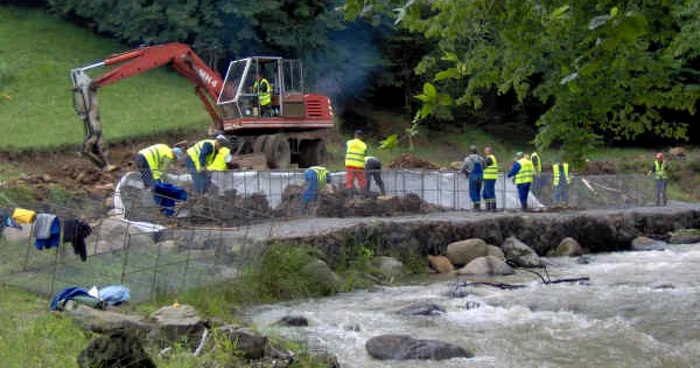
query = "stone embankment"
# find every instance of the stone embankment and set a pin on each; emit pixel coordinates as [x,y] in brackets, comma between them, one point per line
[595,230]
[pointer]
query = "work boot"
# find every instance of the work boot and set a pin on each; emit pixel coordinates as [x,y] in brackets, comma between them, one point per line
[477,207]
[492,206]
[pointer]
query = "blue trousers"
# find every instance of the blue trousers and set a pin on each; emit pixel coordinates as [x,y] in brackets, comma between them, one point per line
[489,192]
[475,188]
[561,193]
[201,180]
[311,192]
[523,191]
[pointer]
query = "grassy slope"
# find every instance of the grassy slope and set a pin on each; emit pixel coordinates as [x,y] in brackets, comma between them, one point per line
[37,53]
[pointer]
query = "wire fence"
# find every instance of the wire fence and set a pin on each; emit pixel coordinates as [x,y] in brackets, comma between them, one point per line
[211,238]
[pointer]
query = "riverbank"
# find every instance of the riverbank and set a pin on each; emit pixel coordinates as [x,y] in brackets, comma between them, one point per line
[595,230]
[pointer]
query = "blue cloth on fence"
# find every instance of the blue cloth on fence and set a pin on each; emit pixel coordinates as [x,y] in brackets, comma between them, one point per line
[114,294]
[47,239]
[166,195]
[67,294]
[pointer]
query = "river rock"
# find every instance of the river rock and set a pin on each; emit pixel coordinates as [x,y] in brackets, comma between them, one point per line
[492,250]
[319,273]
[106,322]
[519,253]
[488,265]
[13,235]
[403,347]
[462,252]
[568,247]
[294,321]
[115,351]
[422,310]
[645,243]
[178,324]
[441,264]
[389,267]
[251,344]
[685,236]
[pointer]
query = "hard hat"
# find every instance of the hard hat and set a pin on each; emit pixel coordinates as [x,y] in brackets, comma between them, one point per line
[177,152]
[519,154]
[359,133]
[223,140]
[472,149]
[659,156]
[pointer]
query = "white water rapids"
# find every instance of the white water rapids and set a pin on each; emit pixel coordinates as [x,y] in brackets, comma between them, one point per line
[640,309]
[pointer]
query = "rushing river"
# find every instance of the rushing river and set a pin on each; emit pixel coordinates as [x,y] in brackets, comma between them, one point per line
[640,309]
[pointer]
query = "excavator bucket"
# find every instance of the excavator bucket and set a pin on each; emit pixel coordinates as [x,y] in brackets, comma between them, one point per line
[86,105]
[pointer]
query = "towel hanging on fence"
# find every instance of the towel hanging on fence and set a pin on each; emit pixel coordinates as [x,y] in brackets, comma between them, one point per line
[23,216]
[75,232]
[166,195]
[47,231]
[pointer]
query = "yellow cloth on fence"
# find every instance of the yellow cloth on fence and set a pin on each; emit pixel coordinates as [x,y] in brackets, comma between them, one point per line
[23,216]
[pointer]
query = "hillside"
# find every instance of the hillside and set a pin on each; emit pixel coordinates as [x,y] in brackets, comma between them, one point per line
[36,55]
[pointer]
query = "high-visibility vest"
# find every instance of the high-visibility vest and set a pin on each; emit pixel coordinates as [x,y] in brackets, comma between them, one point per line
[538,167]
[219,163]
[660,170]
[491,171]
[157,156]
[526,171]
[264,94]
[355,153]
[321,174]
[194,151]
[555,168]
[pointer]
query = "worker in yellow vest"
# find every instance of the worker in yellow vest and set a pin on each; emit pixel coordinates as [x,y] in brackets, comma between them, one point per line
[490,176]
[537,181]
[561,181]
[199,157]
[355,153]
[660,173]
[316,179]
[523,170]
[262,88]
[221,160]
[152,162]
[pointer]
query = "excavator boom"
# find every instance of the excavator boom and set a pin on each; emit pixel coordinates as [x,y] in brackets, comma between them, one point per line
[182,59]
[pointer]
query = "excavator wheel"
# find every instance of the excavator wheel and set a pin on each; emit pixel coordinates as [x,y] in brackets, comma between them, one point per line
[313,153]
[278,152]
[259,144]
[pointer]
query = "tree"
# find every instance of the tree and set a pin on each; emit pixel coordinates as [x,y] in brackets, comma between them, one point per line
[602,67]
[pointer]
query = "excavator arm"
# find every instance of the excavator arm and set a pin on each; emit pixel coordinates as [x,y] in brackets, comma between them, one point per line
[180,57]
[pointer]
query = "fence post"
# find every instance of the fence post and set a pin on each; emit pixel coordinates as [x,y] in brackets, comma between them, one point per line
[56,261]
[126,245]
[29,247]
[187,261]
[154,281]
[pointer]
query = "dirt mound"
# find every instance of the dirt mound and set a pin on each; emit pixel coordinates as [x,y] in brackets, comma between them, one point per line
[411,161]
[350,203]
[599,167]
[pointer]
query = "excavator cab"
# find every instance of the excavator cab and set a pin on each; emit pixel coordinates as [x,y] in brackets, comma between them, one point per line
[262,87]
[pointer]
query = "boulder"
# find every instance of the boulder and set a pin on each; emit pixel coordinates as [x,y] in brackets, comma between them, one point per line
[389,267]
[456,165]
[179,323]
[422,310]
[488,265]
[319,273]
[458,289]
[117,350]
[492,250]
[106,322]
[644,243]
[685,236]
[293,321]
[251,344]
[465,251]
[441,264]
[404,347]
[13,235]
[568,247]
[519,253]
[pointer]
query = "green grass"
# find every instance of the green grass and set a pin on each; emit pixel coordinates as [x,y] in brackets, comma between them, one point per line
[37,53]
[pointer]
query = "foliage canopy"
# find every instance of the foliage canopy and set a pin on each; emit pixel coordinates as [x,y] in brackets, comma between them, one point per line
[603,68]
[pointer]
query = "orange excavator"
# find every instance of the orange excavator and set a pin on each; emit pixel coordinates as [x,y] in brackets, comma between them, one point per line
[281,122]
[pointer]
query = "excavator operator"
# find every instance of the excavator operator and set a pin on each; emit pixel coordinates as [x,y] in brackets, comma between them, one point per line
[262,88]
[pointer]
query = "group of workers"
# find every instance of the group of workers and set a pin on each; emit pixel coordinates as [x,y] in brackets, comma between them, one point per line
[200,159]
[482,171]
